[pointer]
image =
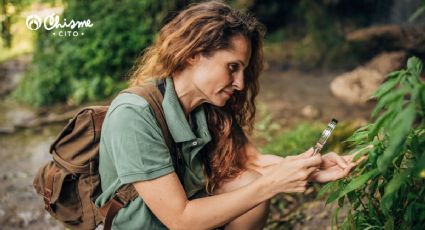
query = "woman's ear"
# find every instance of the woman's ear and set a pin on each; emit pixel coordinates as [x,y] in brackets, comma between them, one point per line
[193,59]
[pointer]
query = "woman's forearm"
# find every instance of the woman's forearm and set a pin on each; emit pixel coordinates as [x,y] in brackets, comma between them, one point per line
[261,162]
[217,210]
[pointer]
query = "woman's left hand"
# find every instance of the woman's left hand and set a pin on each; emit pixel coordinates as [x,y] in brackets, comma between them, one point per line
[334,167]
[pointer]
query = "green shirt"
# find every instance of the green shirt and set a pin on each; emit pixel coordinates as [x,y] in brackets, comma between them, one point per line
[132,149]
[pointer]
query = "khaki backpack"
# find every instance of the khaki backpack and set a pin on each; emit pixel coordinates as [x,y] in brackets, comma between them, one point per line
[70,182]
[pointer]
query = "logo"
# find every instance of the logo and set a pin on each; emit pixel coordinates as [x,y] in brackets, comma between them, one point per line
[33,22]
[62,28]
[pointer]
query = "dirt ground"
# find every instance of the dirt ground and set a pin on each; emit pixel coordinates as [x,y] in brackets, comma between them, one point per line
[285,94]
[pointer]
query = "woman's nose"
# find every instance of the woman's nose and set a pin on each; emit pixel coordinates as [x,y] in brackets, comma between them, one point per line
[238,81]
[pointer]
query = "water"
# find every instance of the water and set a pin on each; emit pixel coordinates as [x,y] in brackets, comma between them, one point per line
[21,154]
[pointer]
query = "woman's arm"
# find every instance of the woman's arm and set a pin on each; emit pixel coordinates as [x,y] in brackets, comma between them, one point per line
[333,166]
[261,162]
[167,200]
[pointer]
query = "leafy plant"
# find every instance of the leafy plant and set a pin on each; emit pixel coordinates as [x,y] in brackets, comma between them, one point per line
[387,191]
[91,67]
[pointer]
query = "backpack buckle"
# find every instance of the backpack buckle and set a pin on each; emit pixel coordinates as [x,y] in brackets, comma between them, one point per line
[47,197]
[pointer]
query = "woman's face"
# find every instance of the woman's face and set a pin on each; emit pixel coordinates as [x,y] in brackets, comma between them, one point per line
[216,77]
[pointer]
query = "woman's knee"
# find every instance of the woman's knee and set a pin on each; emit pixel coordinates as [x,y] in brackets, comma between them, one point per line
[254,218]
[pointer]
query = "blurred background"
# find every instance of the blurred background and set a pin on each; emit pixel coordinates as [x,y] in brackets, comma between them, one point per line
[323,60]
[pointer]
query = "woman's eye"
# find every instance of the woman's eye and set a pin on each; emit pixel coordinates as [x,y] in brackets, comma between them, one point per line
[233,68]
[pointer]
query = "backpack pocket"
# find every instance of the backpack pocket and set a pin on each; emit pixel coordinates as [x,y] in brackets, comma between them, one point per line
[59,189]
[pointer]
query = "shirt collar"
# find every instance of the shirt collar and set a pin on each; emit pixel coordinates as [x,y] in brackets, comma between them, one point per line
[175,118]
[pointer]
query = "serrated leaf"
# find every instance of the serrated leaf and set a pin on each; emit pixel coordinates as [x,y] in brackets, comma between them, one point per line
[414,65]
[389,224]
[386,100]
[357,136]
[379,123]
[333,196]
[362,152]
[419,168]
[327,188]
[395,74]
[385,87]
[341,201]
[353,185]
[394,185]
[420,11]
[401,126]
[422,97]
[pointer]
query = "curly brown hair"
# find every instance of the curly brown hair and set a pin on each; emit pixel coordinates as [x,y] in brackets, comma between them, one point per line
[204,28]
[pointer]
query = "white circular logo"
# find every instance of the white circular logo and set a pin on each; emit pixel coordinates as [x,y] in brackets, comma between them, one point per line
[33,22]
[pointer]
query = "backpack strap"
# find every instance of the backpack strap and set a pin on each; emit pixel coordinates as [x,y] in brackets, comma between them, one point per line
[153,94]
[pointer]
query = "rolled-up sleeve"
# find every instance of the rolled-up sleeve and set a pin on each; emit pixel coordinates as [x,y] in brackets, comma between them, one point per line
[136,144]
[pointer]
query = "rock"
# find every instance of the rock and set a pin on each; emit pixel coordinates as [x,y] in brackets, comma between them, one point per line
[7,130]
[357,86]
[387,62]
[26,217]
[391,36]
[310,112]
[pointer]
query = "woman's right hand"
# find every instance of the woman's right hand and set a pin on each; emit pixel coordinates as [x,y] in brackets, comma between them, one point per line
[291,174]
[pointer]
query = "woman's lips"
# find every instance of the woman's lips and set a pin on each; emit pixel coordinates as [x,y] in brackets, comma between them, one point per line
[228,93]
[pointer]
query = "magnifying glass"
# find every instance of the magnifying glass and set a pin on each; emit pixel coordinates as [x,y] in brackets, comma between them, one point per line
[325,135]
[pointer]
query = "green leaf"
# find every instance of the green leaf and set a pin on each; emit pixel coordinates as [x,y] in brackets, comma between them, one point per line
[391,188]
[357,137]
[417,13]
[396,74]
[341,201]
[328,187]
[389,224]
[382,120]
[409,213]
[359,153]
[388,99]
[354,184]
[372,188]
[419,165]
[401,126]
[334,218]
[386,87]
[332,197]
[414,65]
[422,98]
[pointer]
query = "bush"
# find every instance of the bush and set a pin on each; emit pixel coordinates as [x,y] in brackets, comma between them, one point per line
[388,191]
[91,67]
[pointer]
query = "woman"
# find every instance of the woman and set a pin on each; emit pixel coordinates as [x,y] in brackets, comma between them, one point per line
[210,57]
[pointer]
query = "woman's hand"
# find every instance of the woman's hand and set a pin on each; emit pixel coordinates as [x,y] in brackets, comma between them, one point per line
[334,167]
[291,174]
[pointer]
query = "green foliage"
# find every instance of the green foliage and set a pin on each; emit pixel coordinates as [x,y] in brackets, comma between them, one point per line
[418,12]
[264,126]
[387,191]
[90,67]
[323,41]
[294,141]
[304,135]
[9,10]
